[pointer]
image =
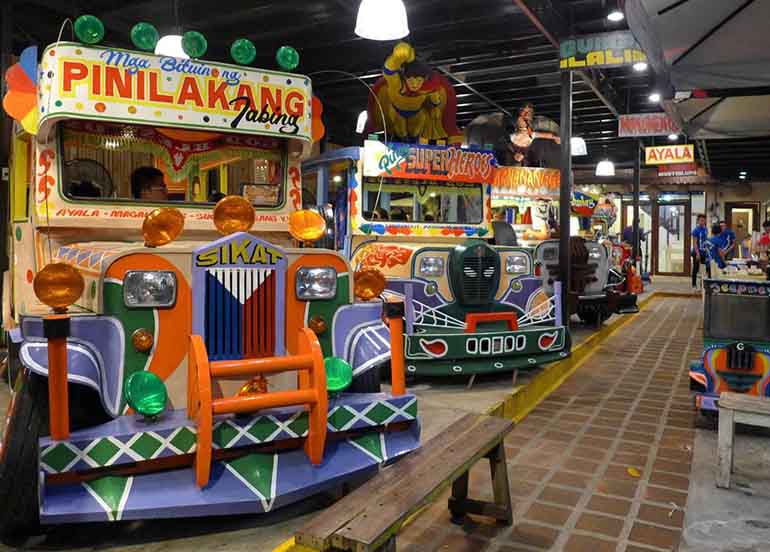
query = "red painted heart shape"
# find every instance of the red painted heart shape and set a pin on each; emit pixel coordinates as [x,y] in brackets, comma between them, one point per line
[435,348]
[547,340]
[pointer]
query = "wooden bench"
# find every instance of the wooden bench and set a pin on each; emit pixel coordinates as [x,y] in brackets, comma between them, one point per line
[736,408]
[369,518]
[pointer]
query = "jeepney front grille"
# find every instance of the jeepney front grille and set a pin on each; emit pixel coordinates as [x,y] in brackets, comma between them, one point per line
[480,275]
[740,357]
[240,317]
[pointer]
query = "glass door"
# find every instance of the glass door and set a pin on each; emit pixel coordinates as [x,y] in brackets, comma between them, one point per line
[671,239]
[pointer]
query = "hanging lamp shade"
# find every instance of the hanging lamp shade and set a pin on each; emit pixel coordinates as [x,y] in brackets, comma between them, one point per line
[605,168]
[578,146]
[171,46]
[382,20]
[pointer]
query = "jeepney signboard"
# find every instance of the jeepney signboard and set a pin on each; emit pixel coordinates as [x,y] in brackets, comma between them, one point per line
[422,162]
[615,49]
[669,155]
[526,182]
[121,85]
[646,124]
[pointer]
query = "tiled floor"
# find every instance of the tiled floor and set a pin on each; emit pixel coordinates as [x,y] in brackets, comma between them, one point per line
[604,462]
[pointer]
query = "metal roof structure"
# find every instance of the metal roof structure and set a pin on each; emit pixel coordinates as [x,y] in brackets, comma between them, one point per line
[499,54]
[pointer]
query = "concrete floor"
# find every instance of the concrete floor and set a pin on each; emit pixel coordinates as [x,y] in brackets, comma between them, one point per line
[442,401]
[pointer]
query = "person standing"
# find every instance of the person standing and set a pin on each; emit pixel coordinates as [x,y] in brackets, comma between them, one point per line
[716,246]
[729,239]
[698,251]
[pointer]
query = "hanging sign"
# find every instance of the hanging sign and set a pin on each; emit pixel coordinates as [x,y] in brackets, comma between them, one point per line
[527,181]
[669,155]
[646,124]
[679,169]
[583,204]
[615,49]
[414,161]
[125,86]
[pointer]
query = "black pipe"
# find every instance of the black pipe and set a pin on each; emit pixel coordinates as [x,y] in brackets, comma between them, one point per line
[565,189]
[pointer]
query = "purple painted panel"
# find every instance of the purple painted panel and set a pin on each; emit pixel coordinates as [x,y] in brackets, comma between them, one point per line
[233,489]
[529,285]
[360,336]
[101,336]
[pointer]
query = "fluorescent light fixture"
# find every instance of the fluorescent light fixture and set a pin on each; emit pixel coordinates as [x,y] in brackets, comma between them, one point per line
[673,136]
[744,173]
[742,176]
[654,97]
[382,20]
[171,46]
[363,117]
[605,168]
[578,146]
[640,66]
[616,15]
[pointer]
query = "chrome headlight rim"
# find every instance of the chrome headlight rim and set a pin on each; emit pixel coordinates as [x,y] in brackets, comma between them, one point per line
[129,286]
[306,277]
[437,271]
[517,269]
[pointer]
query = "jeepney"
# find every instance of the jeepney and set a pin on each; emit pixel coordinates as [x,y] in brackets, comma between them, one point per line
[736,341]
[421,214]
[195,371]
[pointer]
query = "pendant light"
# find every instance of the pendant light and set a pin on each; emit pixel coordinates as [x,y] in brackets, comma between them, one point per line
[605,168]
[382,20]
[171,45]
[578,146]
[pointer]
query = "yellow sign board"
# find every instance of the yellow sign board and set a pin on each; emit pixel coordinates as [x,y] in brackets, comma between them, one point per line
[669,155]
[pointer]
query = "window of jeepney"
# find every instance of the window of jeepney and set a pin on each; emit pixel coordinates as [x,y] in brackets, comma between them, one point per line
[103,161]
[325,185]
[422,201]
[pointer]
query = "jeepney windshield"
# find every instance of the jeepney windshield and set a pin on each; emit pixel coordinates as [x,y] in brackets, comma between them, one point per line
[425,201]
[740,317]
[108,162]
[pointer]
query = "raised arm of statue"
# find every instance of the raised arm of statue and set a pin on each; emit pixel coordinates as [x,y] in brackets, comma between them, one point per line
[402,53]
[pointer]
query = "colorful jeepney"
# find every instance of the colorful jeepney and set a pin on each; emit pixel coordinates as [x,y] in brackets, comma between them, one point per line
[236,329]
[736,341]
[421,214]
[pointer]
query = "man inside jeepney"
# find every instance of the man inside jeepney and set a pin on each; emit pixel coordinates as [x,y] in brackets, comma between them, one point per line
[147,184]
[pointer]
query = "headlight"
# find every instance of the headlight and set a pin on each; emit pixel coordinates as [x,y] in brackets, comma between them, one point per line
[516,264]
[431,266]
[149,289]
[316,283]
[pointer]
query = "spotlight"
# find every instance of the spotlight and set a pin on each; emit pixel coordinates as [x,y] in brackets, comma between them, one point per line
[654,97]
[615,15]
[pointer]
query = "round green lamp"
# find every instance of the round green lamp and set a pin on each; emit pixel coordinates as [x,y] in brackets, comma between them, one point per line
[339,374]
[145,36]
[89,29]
[243,51]
[146,394]
[194,44]
[287,57]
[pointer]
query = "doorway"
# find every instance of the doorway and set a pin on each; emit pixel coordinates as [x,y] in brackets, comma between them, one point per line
[671,238]
[743,218]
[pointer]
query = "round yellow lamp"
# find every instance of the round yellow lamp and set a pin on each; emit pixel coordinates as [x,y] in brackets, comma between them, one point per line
[58,285]
[306,226]
[162,226]
[368,283]
[234,214]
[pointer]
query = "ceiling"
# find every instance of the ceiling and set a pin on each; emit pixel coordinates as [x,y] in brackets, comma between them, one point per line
[498,59]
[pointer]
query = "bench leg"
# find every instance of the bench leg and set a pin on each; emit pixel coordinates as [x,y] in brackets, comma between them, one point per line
[459,498]
[501,509]
[725,446]
[500,486]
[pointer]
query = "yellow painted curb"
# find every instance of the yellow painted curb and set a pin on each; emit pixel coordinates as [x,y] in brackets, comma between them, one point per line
[524,398]
[291,546]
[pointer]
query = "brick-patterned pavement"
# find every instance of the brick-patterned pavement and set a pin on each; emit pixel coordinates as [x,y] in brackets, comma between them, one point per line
[603,464]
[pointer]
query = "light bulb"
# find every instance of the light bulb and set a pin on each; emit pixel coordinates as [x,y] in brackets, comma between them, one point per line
[363,117]
[673,136]
[615,15]
[654,97]
[640,66]
[171,46]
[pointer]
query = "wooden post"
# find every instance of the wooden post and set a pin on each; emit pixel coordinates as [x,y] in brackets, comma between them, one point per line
[725,442]
[56,328]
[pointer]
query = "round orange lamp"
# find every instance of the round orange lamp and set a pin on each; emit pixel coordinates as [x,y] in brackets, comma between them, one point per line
[58,285]
[162,226]
[368,283]
[234,214]
[142,340]
[306,226]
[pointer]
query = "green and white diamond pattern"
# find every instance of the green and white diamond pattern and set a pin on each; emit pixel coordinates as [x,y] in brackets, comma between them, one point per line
[111,493]
[62,456]
[263,429]
[259,473]
[342,418]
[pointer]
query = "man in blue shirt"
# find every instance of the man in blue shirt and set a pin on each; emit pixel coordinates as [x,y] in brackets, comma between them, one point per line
[716,246]
[698,251]
[729,238]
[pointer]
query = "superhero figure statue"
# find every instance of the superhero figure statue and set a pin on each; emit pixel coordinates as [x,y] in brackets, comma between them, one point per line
[419,104]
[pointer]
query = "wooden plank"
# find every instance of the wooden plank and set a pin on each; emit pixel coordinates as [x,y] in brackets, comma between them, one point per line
[317,532]
[725,440]
[751,418]
[746,403]
[382,518]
